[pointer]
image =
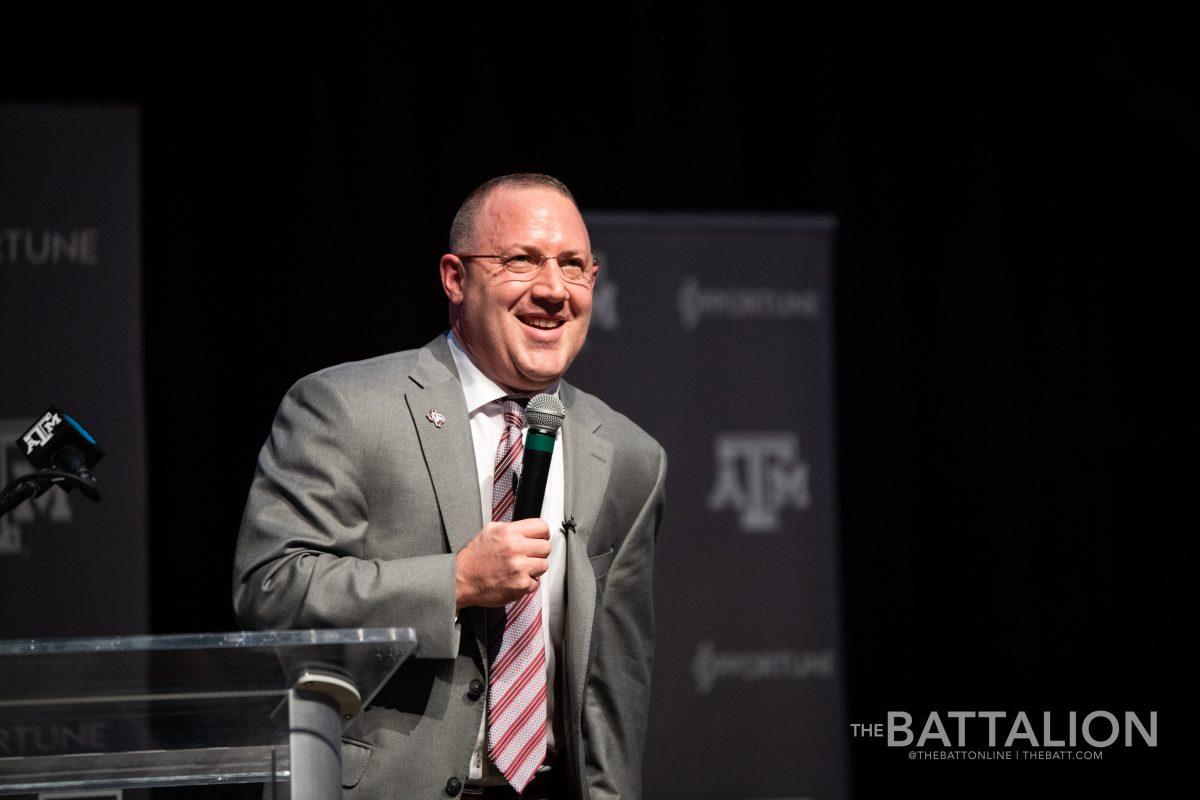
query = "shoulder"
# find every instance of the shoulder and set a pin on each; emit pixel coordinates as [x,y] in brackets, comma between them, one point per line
[384,371]
[381,376]
[363,394]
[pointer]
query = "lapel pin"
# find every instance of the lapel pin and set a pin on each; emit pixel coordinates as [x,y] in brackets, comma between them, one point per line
[436,417]
[568,525]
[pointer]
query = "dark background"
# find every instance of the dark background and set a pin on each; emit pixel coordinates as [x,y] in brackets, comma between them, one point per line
[1014,278]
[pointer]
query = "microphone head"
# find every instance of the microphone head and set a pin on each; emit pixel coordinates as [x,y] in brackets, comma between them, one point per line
[57,441]
[545,411]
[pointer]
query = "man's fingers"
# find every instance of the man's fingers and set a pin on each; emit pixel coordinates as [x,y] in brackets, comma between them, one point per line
[536,548]
[535,528]
[536,567]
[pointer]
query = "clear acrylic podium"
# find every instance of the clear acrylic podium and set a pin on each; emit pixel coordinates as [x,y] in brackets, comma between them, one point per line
[145,711]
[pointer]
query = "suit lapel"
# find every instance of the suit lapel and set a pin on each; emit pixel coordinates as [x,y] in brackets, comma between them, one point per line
[448,450]
[449,455]
[586,465]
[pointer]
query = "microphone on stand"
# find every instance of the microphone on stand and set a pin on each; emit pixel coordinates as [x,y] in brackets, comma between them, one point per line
[62,454]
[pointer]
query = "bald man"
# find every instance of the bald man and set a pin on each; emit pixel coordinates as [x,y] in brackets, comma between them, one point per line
[383,497]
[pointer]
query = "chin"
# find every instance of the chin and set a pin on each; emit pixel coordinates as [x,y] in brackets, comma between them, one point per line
[538,378]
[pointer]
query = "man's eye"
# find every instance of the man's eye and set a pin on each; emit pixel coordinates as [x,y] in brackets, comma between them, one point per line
[518,261]
[573,263]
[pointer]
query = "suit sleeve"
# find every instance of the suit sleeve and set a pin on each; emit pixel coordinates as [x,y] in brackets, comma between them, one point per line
[299,560]
[617,698]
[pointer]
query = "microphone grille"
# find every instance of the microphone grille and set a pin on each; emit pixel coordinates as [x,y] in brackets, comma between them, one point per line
[545,411]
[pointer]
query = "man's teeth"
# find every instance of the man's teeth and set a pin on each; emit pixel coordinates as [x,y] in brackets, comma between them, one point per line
[539,322]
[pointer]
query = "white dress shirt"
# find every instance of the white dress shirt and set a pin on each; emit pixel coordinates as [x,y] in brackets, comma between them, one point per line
[484,396]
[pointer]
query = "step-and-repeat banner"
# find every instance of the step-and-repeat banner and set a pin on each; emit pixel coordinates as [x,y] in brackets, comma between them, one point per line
[71,335]
[714,334]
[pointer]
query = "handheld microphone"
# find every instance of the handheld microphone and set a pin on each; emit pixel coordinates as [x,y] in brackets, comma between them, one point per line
[545,414]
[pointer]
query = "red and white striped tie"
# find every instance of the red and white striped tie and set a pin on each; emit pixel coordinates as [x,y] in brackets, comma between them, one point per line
[516,728]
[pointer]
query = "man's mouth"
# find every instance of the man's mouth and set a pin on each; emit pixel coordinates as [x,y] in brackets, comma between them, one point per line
[543,323]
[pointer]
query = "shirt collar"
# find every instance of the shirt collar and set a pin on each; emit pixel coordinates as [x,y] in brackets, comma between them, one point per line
[478,388]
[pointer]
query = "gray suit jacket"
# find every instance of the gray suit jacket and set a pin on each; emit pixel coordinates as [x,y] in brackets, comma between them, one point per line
[357,508]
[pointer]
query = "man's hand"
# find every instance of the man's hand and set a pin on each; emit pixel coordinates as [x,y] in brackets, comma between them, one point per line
[502,563]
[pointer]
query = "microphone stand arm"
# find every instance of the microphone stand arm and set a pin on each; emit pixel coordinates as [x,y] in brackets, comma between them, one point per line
[35,484]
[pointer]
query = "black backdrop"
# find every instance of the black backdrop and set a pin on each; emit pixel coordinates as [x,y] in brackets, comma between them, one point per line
[1012,278]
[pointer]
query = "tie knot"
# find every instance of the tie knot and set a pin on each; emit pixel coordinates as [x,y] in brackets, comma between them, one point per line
[514,410]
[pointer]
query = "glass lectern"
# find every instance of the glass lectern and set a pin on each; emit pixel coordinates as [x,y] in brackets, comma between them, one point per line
[144,711]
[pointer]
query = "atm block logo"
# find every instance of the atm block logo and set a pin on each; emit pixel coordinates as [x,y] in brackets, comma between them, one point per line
[759,475]
[54,506]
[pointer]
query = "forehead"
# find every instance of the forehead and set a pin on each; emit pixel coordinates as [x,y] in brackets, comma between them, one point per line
[530,216]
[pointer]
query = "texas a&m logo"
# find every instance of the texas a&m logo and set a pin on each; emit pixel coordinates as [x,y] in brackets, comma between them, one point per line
[759,474]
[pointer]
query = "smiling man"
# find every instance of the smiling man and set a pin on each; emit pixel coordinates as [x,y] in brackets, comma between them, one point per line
[383,497]
[522,322]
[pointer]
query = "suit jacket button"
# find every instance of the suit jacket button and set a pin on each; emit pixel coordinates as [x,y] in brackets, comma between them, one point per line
[475,689]
[453,786]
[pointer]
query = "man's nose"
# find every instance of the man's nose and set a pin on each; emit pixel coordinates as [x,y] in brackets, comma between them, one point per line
[549,283]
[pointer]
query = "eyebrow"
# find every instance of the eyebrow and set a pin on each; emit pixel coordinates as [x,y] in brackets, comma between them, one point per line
[570,251]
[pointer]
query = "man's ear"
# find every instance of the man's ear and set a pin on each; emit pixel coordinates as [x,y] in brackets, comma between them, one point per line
[454,275]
